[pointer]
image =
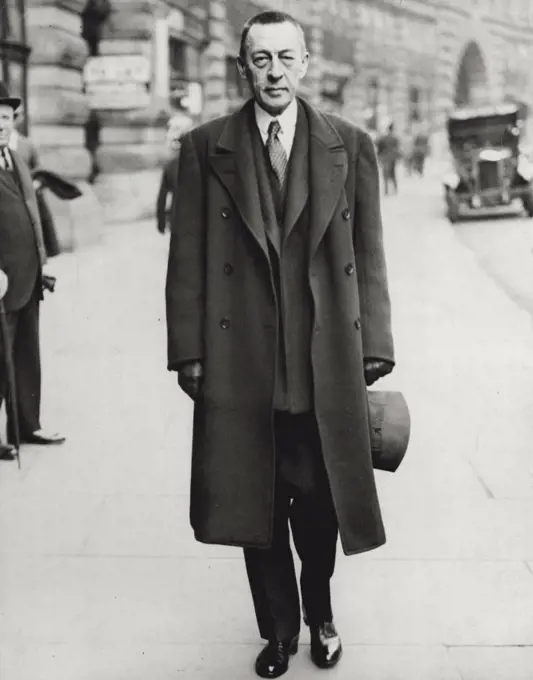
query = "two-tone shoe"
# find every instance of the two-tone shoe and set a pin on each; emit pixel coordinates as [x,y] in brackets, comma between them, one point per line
[326,646]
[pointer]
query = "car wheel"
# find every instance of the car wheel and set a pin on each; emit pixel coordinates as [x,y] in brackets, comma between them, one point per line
[527,202]
[452,212]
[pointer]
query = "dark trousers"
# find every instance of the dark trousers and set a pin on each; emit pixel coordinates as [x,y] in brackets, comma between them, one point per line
[23,329]
[303,500]
[389,177]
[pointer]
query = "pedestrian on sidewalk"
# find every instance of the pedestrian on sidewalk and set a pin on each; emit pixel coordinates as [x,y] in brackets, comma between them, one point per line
[22,256]
[177,126]
[389,154]
[278,317]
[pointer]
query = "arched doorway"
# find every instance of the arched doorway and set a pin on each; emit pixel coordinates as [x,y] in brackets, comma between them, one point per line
[472,86]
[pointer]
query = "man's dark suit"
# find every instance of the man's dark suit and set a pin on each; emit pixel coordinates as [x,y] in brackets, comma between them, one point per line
[22,256]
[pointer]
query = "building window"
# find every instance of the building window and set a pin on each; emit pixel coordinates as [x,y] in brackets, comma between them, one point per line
[414,105]
[184,72]
[14,51]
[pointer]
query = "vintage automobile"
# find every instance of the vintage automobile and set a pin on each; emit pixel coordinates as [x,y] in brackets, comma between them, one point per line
[489,167]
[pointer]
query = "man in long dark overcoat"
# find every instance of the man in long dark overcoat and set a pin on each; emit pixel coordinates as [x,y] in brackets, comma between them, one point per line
[22,257]
[278,317]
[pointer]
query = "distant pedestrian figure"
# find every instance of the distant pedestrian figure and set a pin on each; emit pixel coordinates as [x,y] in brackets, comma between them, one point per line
[420,152]
[177,127]
[388,148]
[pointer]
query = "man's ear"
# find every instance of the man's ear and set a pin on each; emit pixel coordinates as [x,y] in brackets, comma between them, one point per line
[241,66]
[305,65]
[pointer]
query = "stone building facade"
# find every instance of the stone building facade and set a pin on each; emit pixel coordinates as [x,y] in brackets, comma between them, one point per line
[373,61]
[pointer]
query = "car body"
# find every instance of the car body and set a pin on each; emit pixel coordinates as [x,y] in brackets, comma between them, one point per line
[489,167]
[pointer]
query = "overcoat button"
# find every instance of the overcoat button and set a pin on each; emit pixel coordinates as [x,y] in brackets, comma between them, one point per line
[226,213]
[357,324]
[346,214]
[349,269]
[228,268]
[225,324]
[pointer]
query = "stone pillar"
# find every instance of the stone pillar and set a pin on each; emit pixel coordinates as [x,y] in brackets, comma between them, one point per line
[57,111]
[214,63]
[447,49]
[132,145]
[313,78]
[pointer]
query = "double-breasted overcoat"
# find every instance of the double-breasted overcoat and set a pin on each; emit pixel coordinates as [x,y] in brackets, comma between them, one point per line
[222,310]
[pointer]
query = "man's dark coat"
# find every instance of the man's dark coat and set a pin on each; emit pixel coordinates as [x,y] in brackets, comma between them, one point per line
[22,251]
[222,310]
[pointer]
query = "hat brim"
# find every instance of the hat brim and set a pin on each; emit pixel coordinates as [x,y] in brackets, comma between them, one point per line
[14,102]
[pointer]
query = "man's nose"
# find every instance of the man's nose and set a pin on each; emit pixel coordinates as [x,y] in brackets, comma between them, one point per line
[275,72]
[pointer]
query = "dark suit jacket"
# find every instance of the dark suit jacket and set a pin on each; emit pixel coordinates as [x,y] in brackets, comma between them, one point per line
[22,252]
[169,181]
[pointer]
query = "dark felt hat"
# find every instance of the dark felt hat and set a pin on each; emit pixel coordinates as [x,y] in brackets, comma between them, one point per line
[390,428]
[5,99]
[58,185]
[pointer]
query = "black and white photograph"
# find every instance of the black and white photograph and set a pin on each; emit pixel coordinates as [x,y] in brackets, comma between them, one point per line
[266,339]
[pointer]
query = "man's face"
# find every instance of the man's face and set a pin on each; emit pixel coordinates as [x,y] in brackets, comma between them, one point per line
[174,138]
[274,63]
[6,124]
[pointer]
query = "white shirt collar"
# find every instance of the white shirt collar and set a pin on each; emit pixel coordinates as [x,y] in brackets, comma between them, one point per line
[287,119]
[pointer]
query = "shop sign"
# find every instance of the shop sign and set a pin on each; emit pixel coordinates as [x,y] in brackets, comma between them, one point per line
[118,81]
[117,68]
[119,96]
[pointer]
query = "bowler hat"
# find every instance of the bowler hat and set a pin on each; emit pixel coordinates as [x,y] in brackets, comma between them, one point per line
[390,428]
[5,99]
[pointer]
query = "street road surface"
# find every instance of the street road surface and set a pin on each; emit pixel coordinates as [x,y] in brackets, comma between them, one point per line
[100,577]
[502,241]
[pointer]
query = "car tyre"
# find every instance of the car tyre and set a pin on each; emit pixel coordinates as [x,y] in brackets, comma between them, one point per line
[527,202]
[452,212]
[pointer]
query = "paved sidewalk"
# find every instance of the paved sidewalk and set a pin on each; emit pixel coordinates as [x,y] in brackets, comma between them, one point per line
[100,578]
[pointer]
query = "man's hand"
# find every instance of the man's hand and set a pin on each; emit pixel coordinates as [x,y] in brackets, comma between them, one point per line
[4,284]
[191,379]
[48,283]
[376,369]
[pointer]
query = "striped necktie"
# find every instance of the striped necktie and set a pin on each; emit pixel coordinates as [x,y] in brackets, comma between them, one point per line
[276,152]
[6,161]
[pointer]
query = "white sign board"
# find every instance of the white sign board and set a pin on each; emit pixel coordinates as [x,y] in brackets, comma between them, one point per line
[117,68]
[118,81]
[118,96]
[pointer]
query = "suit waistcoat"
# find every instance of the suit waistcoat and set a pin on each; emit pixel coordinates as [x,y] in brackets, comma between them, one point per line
[19,257]
[289,258]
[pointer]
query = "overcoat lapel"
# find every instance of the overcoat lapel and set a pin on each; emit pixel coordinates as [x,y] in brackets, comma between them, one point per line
[26,186]
[233,163]
[31,202]
[298,179]
[328,162]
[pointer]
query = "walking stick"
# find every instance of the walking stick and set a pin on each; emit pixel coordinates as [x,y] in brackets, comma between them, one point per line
[11,397]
